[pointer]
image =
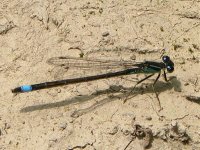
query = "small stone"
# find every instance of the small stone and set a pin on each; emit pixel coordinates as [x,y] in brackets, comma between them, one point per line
[115,88]
[174,123]
[133,57]
[114,130]
[149,118]
[181,129]
[63,126]
[7,126]
[162,135]
[104,34]
[186,84]
[92,12]
[126,132]
[53,140]
[101,10]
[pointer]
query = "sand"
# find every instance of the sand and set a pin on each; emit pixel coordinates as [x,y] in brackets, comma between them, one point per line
[94,115]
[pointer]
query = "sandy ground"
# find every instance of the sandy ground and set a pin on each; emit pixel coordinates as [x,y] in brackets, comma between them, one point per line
[93,115]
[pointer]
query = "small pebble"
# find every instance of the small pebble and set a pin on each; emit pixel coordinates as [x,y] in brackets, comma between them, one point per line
[149,118]
[53,140]
[115,88]
[182,129]
[92,12]
[101,10]
[133,57]
[7,126]
[104,34]
[174,123]
[162,134]
[186,84]
[63,126]
[114,130]
[126,132]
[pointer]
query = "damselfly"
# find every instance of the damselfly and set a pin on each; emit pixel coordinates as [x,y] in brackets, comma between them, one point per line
[146,67]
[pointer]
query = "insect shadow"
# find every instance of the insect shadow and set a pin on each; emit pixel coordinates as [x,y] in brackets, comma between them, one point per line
[114,93]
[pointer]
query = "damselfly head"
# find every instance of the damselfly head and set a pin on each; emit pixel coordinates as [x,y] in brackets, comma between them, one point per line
[165,59]
[170,68]
[169,64]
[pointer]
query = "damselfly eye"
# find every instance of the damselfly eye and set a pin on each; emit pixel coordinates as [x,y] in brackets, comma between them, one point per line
[165,59]
[170,69]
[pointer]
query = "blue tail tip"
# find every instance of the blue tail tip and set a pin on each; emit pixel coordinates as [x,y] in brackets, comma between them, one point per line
[26,88]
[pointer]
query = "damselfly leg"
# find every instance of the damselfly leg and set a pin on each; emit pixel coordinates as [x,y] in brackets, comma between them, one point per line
[153,87]
[140,81]
[165,76]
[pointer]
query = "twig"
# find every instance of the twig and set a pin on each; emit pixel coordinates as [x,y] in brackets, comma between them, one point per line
[181,117]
